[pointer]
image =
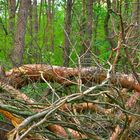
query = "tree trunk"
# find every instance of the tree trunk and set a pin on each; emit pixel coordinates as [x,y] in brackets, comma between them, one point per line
[35,30]
[135,34]
[35,15]
[30,20]
[33,55]
[21,76]
[18,50]
[40,13]
[67,29]
[49,26]
[132,37]
[87,30]
[82,31]
[106,24]
[11,12]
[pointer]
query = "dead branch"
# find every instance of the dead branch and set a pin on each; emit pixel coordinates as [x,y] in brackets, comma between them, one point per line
[86,106]
[21,76]
[130,103]
[14,92]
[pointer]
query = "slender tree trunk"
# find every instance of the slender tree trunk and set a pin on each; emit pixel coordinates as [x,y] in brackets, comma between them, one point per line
[83,31]
[18,50]
[87,56]
[11,12]
[5,25]
[35,15]
[30,20]
[49,26]
[133,32]
[67,29]
[33,55]
[106,24]
[52,30]
[35,31]
[134,38]
[40,13]
[96,23]
[136,21]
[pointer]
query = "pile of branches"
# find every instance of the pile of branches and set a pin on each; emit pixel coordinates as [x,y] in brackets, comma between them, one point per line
[97,104]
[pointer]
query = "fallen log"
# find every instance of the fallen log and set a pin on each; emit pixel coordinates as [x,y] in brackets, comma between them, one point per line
[21,76]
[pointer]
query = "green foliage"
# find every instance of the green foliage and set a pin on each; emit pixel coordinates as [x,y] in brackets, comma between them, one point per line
[35,90]
[1,117]
[56,56]
[44,54]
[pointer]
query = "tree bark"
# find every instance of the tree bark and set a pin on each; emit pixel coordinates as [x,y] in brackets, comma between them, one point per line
[11,12]
[35,29]
[35,15]
[18,50]
[30,19]
[87,29]
[67,29]
[89,33]
[106,25]
[49,26]
[21,76]
[33,55]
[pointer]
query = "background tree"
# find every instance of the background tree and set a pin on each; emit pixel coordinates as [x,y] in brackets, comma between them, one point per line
[87,32]
[49,25]
[18,50]
[88,45]
[12,13]
[67,30]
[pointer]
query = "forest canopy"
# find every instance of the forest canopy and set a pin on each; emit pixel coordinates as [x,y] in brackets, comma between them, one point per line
[69,69]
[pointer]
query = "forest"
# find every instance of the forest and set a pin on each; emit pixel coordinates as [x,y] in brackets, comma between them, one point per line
[69,69]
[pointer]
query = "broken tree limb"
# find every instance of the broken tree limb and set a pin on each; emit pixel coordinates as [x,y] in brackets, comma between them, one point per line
[15,121]
[14,92]
[79,107]
[129,104]
[21,76]
[50,110]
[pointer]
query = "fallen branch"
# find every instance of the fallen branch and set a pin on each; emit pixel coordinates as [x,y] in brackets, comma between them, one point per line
[14,92]
[130,103]
[55,106]
[19,77]
[86,106]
